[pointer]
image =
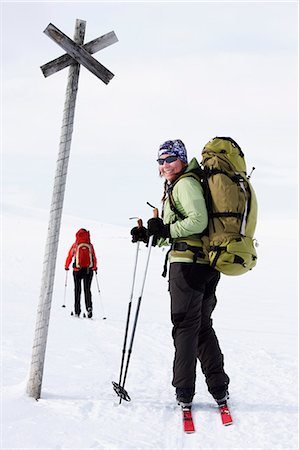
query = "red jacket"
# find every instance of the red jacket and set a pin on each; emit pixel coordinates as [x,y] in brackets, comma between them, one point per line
[82,237]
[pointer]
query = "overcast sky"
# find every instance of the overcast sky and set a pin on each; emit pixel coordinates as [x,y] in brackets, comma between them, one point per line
[183,70]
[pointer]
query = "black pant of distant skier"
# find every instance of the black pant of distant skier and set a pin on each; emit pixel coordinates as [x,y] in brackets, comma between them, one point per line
[85,275]
[192,290]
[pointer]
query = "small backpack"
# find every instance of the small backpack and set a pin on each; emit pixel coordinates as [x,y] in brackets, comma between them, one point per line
[83,257]
[231,205]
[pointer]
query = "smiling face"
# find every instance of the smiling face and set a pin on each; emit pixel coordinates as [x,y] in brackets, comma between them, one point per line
[170,170]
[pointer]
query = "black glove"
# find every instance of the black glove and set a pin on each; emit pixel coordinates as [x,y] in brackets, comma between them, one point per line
[139,234]
[156,228]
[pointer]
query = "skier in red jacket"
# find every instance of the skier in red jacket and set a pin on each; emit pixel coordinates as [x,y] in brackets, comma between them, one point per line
[85,262]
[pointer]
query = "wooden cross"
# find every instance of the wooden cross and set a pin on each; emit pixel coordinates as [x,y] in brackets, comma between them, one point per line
[77,55]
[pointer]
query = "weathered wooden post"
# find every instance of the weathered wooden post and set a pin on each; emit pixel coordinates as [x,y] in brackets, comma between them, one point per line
[77,54]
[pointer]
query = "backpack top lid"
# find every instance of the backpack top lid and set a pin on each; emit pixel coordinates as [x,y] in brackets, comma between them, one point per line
[82,236]
[227,150]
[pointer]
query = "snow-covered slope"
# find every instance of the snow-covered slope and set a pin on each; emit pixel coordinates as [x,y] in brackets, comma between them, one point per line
[255,320]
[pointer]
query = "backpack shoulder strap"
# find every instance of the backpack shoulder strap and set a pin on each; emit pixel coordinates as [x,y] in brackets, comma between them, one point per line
[170,194]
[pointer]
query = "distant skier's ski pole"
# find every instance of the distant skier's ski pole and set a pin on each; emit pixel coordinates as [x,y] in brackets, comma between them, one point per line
[65,286]
[120,387]
[101,301]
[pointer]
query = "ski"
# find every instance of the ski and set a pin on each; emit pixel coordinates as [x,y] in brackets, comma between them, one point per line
[225,414]
[188,423]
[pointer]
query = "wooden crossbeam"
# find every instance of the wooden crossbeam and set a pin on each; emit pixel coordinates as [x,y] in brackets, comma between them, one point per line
[78,53]
[91,47]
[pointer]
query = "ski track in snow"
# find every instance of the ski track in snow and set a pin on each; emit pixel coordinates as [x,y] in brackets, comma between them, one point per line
[79,409]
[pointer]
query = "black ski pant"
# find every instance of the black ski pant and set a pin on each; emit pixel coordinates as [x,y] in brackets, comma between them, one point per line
[193,299]
[85,275]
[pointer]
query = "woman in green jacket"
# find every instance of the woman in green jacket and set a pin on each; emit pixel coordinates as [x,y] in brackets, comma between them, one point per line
[192,282]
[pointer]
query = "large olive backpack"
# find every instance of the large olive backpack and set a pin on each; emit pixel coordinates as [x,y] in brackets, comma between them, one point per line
[231,204]
[232,207]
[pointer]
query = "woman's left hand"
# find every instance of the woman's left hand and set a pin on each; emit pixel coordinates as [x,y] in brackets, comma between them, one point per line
[156,228]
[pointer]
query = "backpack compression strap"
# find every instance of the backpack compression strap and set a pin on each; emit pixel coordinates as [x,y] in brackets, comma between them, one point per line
[219,249]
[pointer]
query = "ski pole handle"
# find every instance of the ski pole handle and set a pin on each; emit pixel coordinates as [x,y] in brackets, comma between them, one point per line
[155,213]
[139,221]
[148,203]
[155,210]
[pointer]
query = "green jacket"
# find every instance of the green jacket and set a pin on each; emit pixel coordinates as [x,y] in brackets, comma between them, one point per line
[189,201]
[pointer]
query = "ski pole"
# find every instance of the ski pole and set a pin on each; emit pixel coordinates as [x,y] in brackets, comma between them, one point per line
[104,317]
[65,286]
[120,388]
[149,204]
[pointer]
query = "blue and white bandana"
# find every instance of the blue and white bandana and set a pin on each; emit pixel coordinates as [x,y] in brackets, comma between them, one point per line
[176,148]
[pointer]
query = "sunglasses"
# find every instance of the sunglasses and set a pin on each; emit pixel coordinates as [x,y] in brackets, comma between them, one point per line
[168,159]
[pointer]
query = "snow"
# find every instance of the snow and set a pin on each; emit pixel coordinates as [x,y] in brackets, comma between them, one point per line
[255,319]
